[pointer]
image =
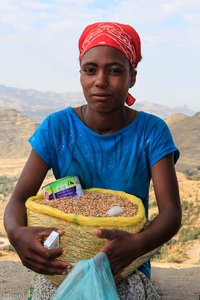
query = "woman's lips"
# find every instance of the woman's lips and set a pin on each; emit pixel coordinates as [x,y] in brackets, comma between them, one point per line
[101,96]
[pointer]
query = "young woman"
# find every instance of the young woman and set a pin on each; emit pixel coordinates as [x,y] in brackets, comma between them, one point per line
[108,145]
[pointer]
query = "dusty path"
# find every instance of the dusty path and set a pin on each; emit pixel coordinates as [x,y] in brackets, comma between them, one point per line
[177,282]
[172,282]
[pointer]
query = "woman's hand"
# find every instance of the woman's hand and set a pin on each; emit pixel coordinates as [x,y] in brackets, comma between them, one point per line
[121,247]
[28,243]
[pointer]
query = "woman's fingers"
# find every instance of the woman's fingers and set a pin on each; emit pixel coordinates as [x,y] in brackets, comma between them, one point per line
[35,256]
[47,267]
[111,234]
[45,264]
[119,247]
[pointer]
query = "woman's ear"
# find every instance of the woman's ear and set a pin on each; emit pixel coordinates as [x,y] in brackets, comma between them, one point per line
[133,78]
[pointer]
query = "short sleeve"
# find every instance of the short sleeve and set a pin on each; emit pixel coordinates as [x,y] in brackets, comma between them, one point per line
[160,142]
[41,141]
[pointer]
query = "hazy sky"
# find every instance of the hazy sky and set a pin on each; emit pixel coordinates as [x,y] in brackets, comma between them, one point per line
[38,45]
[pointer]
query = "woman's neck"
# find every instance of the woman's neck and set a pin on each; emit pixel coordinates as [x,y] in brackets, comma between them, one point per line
[105,123]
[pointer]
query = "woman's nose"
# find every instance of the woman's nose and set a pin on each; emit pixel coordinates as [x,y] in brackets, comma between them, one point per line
[101,79]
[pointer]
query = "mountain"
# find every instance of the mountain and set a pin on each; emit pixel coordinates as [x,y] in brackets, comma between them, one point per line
[22,110]
[15,129]
[186,133]
[162,110]
[38,105]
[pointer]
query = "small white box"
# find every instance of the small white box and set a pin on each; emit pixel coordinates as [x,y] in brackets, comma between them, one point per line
[52,241]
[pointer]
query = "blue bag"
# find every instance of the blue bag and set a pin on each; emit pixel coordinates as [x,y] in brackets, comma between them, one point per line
[89,279]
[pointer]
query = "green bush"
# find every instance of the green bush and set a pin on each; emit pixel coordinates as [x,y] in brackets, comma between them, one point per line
[192,174]
[190,212]
[152,216]
[152,203]
[7,185]
[161,254]
[188,234]
[186,205]
[8,248]
[170,252]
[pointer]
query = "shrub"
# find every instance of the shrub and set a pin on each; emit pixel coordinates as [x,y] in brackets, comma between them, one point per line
[188,234]
[152,204]
[7,185]
[152,216]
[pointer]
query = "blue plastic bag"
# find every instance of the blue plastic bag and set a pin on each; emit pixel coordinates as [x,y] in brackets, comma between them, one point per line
[89,279]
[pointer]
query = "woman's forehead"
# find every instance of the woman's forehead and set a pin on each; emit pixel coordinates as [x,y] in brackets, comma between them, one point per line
[104,54]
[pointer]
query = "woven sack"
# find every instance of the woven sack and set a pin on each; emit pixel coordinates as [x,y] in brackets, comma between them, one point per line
[79,242]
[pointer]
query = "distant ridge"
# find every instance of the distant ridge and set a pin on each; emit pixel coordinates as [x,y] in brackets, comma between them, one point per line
[186,134]
[38,105]
[16,128]
[175,119]
[162,110]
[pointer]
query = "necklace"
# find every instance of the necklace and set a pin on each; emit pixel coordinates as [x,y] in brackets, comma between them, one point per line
[82,115]
[130,118]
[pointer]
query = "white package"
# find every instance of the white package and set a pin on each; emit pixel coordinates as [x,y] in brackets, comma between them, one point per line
[115,211]
[52,241]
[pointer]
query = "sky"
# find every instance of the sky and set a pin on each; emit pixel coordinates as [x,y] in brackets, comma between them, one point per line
[39,45]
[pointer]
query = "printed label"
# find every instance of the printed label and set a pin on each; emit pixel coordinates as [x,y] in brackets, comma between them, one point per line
[65,187]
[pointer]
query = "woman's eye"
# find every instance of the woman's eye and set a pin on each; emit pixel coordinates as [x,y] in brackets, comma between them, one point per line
[115,71]
[89,70]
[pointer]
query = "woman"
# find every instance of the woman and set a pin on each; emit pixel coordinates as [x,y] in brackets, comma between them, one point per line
[107,145]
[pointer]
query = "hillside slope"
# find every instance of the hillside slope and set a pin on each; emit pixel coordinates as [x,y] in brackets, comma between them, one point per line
[39,104]
[15,129]
[186,134]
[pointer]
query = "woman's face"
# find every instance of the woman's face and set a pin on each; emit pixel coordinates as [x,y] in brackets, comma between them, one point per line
[106,77]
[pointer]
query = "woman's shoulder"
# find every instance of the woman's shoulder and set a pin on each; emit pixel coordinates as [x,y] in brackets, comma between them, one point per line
[150,124]
[56,119]
[58,116]
[149,116]
[151,120]
[59,113]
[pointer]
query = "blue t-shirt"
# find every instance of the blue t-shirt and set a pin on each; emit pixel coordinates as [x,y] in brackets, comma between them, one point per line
[118,161]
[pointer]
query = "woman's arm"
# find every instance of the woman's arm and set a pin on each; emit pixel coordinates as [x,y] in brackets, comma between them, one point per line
[122,247]
[168,221]
[28,240]
[28,185]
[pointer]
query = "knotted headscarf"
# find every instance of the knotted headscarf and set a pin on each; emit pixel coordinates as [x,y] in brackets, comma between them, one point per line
[120,36]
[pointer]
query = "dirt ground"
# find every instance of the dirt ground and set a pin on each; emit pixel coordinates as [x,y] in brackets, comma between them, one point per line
[173,282]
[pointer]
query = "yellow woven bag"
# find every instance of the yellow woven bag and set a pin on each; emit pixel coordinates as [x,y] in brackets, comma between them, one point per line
[79,242]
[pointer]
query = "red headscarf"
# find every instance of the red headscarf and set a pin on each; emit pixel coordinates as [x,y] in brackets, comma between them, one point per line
[120,36]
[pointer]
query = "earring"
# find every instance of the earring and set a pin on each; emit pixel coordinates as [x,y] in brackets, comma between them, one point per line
[130,100]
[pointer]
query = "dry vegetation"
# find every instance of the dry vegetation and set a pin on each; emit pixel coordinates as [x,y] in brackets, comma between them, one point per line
[185,246]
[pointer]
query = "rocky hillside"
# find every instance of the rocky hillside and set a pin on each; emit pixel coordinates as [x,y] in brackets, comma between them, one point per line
[15,129]
[161,110]
[186,134]
[38,104]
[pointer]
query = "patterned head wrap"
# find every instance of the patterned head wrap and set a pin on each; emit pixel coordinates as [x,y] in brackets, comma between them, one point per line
[120,36]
